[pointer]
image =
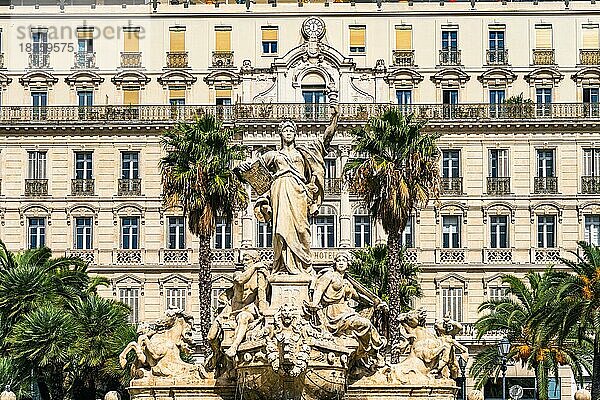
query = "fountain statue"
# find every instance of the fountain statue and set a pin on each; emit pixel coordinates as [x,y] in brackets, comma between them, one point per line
[286,331]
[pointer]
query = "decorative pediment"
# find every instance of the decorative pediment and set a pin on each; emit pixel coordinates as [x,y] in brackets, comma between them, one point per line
[544,76]
[327,210]
[450,77]
[130,78]
[223,78]
[84,78]
[403,77]
[318,52]
[4,81]
[587,76]
[222,281]
[546,208]
[38,79]
[177,78]
[497,77]
[499,208]
[492,280]
[590,207]
[35,211]
[82,210]
[127,281]
[129,210]
[451,208]
[451,280]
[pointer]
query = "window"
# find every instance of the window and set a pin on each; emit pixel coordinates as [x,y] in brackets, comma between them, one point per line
[223,39]
[130,297]
[323,231]
[223,234]
[591,100]
[358,39]
[403,37]
[450,40]
[543,98]
[408,234]
[85,48]
[499,232]
[452,303]
[130,165]
[130,233]
[176,232]
[450,232]
[177,96]
[37,232]
[546,231]
[223,96]
[450,163]
[497,98]
[175,298]
[497,293]
[264,232]
[269,39]
[496,39]
[36,164]
[543,37]
[39,101]
[362,230]
[131,41]
[85,98]
[591,37]
[83,165]
[498,163]
[450,96]
[83,233]
[545,163]
[592,229]
[177,39]
[131,97]
[591,162]
[404,97]
[330,171]
[39,40]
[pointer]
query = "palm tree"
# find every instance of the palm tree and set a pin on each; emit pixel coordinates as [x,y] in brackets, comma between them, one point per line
[197,174]
[580,293]
[395,172]
[518,317]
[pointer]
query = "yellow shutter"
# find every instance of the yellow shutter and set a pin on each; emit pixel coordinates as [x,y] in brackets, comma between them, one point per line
[176,93]
[223,40]
[177,40]
[132,42]
[131,97]
[403,38]
[85,34]
[223,93]
[591,38]
[543,37]
[269,34]
[357,36]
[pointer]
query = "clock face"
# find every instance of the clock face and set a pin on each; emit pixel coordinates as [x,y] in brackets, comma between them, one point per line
[313,28]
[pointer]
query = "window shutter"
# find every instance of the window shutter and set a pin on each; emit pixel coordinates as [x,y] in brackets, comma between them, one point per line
[269,34]
[177,38]
[357,36]
[591,37]
[403,38]
[85,34]
[223,40]
[132,42]
[131,97]
[224,93]
[543,37]
[177,93]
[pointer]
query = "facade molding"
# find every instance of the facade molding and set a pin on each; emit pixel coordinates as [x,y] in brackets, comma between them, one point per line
[84,78]
[38,79]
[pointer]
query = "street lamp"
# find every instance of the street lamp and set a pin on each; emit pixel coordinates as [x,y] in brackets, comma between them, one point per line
[503,350]
[462,363]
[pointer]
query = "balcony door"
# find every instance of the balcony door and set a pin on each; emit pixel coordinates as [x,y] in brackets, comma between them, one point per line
[39,101]
[591,101]
[314,100]
[497,98]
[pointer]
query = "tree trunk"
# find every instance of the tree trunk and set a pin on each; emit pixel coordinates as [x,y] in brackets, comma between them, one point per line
[56,383]
[394,246]
[541,376]
[205,289]
[596,369]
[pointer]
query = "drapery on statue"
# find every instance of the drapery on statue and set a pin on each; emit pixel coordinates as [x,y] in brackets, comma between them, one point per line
[158,351]
[296,191]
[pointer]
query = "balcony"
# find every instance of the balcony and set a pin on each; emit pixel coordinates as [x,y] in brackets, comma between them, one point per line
[36,187]
[545,185]
[543,57]
[497,57]
[85,60]
[222,256]
[39,60]
[545,256]
[451,186]
[89,256]
[498,186]
[590,184]
[130,187]
[589,56]
[498,256]
[450,57]
[222,59]
[131,59]
[177,59]
[403,58]
[333,186]
[1,60]
[411,255]
[451,256]
[175,256]
[82,187]
[128,257]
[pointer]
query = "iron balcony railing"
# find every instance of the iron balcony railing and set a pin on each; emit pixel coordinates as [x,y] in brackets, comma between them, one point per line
[130,187]
[497,57]
[589,56]
[39,59]
[82,187]
[1,60]
[131,59]
[590,184]
[85,59]
[543,56]
[352,112]
[403,58]
[177,59]
[545,184]
[450,57]
[451,186]
[36,187]
[222,59]
[498,185]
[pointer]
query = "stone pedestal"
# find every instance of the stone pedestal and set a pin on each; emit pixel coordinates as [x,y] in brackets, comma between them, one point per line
[288,289]
[395,392]
[205,391]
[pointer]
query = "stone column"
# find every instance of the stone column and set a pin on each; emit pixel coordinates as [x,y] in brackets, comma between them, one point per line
[345,207]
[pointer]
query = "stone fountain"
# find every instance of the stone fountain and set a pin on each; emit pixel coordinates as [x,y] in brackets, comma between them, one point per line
[285,331]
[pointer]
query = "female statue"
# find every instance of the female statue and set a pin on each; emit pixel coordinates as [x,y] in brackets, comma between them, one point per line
[295,193]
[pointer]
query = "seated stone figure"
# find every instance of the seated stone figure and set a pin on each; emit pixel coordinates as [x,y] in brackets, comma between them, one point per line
[446,330]
[331,297]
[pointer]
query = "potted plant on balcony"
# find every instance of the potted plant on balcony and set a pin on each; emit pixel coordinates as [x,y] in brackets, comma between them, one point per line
[518,107]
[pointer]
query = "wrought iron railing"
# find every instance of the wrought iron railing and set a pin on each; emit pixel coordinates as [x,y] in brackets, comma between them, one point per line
[130,187]
[497,185]
[450,57]
[131,59]
[497,56]
[177,59]
[1,60]
[333,186]
[590,184]
[36,187]
[403,58]
[589,56]
[545,184]
[82,187]
[222,59]
[451,186]
[543,57]
[39,59]
[85,59]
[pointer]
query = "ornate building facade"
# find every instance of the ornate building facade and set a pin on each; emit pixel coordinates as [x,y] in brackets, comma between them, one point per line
[86,88]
